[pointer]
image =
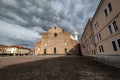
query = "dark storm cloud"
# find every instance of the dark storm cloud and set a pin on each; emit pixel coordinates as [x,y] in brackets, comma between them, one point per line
[30,18]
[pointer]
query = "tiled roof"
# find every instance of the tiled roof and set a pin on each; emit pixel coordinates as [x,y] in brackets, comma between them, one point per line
[15,46]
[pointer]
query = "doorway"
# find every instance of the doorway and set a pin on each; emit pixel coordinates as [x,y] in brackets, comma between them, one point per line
[44,51]
[65,50]
[55,50]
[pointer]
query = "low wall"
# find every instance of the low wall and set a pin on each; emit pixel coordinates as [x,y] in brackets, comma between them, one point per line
[109,57]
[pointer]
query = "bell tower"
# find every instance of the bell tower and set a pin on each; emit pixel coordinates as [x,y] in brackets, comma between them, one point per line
[76,35]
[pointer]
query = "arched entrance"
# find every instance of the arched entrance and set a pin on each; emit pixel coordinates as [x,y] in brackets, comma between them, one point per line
[44,51]
[65,50]
[55,50]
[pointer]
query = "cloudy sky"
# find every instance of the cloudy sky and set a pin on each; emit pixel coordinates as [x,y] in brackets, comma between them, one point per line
[23,21]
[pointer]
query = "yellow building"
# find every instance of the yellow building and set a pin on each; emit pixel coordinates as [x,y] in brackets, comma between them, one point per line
[106,25]
[106,28]
[56,41]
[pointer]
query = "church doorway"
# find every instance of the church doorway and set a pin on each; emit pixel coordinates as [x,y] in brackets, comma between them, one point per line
[65,50]
[55,50]
[44,51]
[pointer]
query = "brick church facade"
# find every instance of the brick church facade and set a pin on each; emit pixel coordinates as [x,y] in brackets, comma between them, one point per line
[56,41]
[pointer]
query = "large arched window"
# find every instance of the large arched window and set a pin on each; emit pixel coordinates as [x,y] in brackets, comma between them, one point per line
[55,34]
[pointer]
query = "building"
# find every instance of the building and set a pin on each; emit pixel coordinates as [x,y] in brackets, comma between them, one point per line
[56,41]
[88,41]
[2,49]
[15,50]
[106,28]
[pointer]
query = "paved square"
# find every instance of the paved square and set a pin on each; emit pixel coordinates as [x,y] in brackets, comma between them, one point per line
[55,68]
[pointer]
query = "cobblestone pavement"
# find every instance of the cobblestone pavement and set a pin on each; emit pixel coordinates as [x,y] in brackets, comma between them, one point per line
[56,68]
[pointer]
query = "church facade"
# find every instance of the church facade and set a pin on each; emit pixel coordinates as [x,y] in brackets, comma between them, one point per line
[56,41]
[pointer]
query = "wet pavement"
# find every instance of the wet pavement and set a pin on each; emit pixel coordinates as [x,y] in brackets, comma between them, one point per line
[56,68]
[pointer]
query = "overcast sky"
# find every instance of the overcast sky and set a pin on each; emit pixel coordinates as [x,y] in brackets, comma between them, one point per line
[23,21]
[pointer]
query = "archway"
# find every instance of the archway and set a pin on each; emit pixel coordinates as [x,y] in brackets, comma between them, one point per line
[65,50]
[44,51]
[55,50]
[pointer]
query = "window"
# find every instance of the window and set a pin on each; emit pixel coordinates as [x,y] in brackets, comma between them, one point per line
[45,44]
[99,37]
[55,34]
[115,26]
[110,29]
[101,49]
[105,11]
[118,42]
[110,7]
[97,24]
[65,43]
[55,27]
[94,52]
[114,46]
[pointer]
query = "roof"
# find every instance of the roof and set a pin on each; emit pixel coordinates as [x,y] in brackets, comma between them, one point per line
[3,46]
[16,46]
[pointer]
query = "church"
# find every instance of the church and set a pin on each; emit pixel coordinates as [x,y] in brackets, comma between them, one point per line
[57,41]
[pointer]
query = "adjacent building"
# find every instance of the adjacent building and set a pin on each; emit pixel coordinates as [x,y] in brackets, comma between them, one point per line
[105,25]
[87,40]
[57,41]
